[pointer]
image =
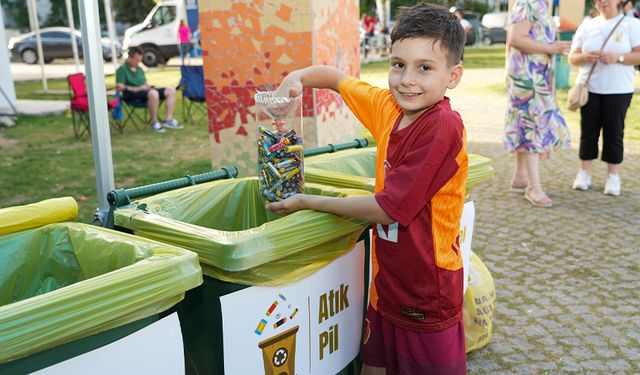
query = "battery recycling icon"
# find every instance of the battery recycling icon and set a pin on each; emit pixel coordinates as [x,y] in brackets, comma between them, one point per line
[278,352]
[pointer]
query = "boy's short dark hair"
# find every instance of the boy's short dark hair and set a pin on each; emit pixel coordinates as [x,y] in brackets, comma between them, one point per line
[135,51]
[432,22]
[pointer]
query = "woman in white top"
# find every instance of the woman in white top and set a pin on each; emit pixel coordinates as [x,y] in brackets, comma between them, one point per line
[610,88]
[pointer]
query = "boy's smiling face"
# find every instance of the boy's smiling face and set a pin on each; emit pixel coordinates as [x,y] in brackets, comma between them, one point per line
[419,75]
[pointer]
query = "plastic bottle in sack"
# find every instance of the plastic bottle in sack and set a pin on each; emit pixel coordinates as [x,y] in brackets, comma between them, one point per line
[280,159]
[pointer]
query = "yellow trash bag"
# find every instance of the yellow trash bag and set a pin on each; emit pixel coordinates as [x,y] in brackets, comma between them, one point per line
[479,304]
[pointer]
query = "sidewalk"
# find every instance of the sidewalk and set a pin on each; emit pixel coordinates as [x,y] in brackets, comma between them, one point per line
[41,107]
[567,278]
[61,69]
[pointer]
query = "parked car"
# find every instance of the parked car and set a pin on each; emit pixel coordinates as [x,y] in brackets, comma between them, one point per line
[494,28]
[56,44]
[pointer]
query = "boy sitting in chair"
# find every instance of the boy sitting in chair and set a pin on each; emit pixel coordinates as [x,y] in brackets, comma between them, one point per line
[131,81]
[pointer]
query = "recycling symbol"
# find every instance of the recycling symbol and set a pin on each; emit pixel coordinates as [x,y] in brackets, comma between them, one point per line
[280,357]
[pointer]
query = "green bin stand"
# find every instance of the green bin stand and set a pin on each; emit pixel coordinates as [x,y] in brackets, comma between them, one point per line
[563,68]
[195,217]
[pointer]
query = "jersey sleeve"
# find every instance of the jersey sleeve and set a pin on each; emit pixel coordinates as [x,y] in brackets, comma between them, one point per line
[422,172]
[371,105]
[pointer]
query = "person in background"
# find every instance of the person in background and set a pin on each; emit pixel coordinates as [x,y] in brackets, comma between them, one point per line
[131,81]
[627,8]
[466,25]
[610,89]
[195,39]
[533,123]
[184,37]
[369,25]
[414,320]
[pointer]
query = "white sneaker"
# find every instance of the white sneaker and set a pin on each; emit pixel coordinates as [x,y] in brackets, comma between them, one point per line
[157,127]
[612,187]
[582,181]
[172,124]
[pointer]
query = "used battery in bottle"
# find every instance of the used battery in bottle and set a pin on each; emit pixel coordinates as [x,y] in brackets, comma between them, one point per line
[261,325]
[293,148]
[266,132]
[285,163]
[281,143]
[280,322]
[291,174]
[274,172]
[282,297]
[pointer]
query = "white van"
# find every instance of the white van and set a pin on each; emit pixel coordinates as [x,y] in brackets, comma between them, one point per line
[494,28]
[157,35]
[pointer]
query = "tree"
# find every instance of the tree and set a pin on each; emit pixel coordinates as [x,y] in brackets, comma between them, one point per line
[16,14]
[132,12]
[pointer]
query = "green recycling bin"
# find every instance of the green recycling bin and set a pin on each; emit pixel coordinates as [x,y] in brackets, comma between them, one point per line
[275,288]
[67,288]
[563,69]
[356,169]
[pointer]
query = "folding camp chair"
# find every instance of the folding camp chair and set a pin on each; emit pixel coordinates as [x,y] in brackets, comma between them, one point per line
[194,107]
[132,113]
[80,104]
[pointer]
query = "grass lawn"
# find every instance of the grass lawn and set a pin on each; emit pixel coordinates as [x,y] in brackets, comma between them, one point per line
[40,159]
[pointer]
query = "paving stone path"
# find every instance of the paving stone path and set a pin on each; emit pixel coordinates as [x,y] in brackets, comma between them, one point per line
[568,277]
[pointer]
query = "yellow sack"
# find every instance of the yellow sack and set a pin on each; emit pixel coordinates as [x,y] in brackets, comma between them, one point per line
[479,304]
[18,218]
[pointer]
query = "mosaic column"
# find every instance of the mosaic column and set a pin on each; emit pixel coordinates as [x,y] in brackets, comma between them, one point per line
[252,45]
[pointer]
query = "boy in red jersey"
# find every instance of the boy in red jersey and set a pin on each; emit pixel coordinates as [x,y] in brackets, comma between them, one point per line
[414,322]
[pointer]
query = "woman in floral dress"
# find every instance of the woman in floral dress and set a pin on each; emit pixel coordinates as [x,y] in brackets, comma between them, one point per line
[533,122]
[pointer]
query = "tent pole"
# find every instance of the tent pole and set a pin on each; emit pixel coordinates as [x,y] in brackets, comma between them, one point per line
[74,41]
[98,112]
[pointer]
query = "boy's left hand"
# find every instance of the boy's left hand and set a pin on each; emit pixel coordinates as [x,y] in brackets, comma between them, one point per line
[287,206]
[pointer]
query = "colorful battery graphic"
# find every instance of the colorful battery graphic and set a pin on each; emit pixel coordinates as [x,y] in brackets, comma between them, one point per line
[293,313]
[280,322]
[273,307]
[261,325]
[282,297]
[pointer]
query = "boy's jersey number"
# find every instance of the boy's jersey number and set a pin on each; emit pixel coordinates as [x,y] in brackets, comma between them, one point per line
[390,234]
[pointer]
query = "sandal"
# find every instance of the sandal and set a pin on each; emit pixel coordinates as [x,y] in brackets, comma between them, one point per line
[538,200]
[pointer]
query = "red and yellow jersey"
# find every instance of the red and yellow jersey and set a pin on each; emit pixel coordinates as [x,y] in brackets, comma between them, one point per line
[421,173]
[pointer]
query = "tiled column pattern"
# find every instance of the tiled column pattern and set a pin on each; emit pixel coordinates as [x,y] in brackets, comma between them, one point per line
[252,45]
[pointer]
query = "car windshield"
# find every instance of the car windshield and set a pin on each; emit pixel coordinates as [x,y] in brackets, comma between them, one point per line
[164,15]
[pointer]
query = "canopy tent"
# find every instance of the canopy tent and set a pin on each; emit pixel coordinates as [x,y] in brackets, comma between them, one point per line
[98,115]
